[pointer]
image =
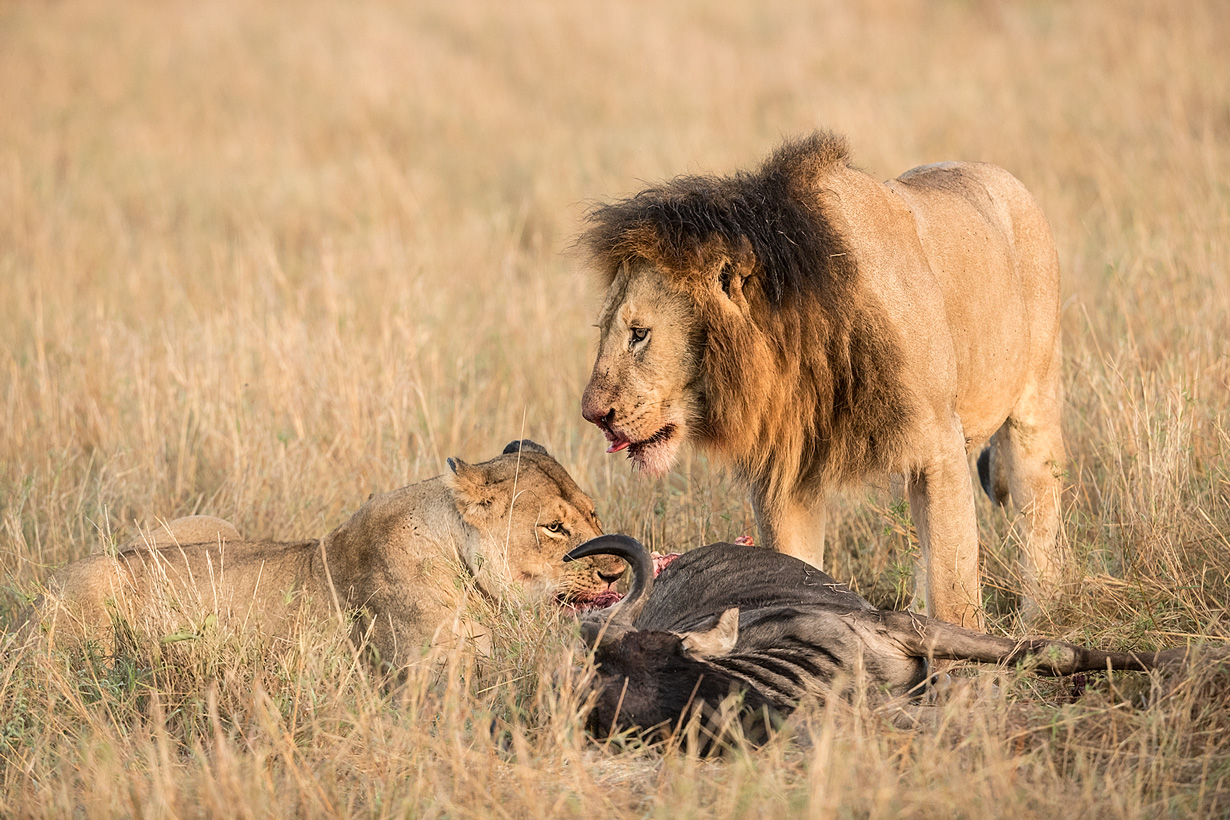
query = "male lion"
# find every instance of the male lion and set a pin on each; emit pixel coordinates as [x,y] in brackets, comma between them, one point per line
[811,326]
[399,566]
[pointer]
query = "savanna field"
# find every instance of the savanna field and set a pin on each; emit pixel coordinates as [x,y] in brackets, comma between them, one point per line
[260,260]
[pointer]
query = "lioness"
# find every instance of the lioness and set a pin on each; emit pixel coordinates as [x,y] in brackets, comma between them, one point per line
[811,326]
[400,565]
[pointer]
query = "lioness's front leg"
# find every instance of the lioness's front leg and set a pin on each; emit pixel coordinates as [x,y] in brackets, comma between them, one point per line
[942,507]
[790,526]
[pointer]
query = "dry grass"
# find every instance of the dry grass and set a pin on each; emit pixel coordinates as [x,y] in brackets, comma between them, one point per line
[260,259]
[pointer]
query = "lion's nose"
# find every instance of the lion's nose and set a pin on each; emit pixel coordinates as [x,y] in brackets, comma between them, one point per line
[611,577]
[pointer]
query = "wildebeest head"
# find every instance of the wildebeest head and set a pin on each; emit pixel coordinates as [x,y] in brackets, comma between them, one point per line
[657,681]
[652,681]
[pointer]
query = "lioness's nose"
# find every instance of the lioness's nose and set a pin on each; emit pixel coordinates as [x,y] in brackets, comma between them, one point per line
[601,415]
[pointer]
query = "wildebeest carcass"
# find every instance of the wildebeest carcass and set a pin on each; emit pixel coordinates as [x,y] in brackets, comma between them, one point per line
[728,619]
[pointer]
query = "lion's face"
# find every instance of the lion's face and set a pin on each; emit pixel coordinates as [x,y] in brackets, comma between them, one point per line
[643,392]
[528,513]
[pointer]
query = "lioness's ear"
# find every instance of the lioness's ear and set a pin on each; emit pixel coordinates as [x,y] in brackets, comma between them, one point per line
[471,491]
[717,641]
[524,446]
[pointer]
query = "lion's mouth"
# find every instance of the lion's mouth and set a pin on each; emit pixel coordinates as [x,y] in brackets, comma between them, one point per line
[635,449]
[576,604]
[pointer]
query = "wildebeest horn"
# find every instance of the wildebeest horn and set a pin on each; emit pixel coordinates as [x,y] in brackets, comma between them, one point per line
[638,558]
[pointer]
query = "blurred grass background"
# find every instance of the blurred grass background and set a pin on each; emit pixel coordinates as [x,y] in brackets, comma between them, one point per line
[259,260]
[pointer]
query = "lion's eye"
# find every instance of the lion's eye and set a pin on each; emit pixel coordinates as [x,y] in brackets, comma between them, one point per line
[556,527]
[639,334]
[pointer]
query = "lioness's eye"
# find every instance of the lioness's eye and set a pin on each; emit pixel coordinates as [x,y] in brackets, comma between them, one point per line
[556,526]
[639,334]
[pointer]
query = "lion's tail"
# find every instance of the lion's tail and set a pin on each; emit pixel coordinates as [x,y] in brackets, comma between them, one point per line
[992,476]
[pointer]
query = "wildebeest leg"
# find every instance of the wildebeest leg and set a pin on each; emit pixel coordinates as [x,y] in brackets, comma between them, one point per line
[790,526]
[928,637]
[1034,456]
[942,508]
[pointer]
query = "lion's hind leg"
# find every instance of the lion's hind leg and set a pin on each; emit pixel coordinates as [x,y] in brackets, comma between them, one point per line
[1031,446]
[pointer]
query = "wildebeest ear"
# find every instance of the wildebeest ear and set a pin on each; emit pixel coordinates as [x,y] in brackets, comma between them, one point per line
[471,491]
[524,445]
[718,640]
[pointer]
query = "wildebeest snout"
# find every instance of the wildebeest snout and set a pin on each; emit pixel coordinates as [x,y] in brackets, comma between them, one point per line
[648,680]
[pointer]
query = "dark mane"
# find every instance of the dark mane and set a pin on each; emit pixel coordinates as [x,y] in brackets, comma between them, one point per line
[770,211]
[810,339]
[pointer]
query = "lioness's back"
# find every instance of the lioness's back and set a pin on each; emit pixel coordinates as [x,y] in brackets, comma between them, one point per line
[158,589]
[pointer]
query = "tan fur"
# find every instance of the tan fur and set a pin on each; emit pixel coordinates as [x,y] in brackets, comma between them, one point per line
[190,529]
[400,567]
[811,326]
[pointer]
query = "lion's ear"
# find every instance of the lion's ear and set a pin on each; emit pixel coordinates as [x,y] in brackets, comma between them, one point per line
[730,280]
[472,492]
[734,272]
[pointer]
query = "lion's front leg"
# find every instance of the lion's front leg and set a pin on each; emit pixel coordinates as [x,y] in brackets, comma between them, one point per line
[790,526]
[942,507]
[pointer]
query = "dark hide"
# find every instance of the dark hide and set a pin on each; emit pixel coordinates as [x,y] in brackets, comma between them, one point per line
[698,586]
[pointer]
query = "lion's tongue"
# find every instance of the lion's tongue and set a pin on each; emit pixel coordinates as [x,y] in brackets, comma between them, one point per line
[618,444]
[605,599]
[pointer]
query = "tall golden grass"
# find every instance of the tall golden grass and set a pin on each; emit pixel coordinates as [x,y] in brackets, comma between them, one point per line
[261,259]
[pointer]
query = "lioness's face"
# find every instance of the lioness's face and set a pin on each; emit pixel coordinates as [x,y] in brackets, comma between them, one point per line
[529,513]
[643,393]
